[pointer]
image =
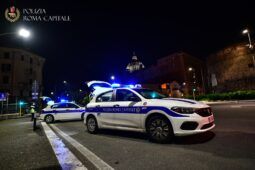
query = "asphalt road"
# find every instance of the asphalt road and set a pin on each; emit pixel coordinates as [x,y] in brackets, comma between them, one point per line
[231,145]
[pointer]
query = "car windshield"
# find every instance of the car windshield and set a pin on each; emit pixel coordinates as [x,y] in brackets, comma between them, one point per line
[149,94]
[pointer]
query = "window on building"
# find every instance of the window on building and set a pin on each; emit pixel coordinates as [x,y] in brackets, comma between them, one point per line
[22,57]
[6,55]
[30,81]
[31,60]
[5,79]
[6,68]
[31,71]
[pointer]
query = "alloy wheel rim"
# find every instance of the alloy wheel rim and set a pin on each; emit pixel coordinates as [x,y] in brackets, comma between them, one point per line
[48,119]
[91,124]
[159,129]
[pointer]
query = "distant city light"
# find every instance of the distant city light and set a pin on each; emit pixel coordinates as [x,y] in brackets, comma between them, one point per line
[24,33]
[245,31]
[64,81]
[112,77]
[80,90]
[52,93]
[190,68]
[21,103]
[183,83]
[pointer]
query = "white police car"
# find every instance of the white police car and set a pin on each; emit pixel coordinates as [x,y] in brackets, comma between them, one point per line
[62,111]
[145,110]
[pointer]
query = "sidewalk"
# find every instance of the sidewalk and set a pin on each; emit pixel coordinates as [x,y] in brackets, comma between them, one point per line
[228,102]
[23,148]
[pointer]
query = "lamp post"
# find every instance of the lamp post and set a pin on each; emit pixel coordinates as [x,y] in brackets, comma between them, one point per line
[246,31]
[20,104]
[191,69]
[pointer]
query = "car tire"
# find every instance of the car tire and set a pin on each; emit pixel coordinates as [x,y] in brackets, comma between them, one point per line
[92,126]
[49,119]
[159,129]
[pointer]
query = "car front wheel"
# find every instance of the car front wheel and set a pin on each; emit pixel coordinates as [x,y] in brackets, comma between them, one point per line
[49,119]
[159,129]
[92,125]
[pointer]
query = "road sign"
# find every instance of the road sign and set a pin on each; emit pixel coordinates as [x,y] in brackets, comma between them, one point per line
[3,96]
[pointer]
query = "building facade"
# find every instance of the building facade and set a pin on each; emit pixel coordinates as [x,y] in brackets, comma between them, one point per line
[176,75]
[19,69]
[231,69]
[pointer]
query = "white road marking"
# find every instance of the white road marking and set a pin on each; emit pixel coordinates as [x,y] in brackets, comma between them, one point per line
[99,163]
[240,106]
[65,157]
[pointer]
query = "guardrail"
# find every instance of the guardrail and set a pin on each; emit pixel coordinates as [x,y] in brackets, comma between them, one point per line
[8,116]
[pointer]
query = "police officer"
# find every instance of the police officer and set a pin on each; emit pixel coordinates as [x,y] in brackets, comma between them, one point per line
[32,111]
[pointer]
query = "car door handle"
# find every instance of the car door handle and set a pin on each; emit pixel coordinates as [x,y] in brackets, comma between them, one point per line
[97,106]
[116,105]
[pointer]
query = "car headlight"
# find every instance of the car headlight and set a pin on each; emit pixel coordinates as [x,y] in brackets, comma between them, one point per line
[183,110]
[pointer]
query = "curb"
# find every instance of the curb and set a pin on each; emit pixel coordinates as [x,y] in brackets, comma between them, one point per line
[227,102]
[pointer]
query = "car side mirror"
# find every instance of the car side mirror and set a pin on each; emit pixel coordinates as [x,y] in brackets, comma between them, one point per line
[134,99]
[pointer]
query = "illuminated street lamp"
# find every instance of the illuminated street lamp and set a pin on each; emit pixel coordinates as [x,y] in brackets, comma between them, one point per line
[112,77]
[246,31]
[22,32]
[64,82]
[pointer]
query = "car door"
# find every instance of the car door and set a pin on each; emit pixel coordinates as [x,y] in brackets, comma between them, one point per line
[103,109]
[129,108]
[59,111]
[73,111]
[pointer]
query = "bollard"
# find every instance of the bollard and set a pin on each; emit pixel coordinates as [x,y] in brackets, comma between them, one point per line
[34,123]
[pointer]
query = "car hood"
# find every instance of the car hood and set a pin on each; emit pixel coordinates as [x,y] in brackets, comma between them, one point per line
[179,102]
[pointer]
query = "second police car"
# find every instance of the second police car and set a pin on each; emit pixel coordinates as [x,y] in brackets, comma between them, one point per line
[62,111]
[145,110]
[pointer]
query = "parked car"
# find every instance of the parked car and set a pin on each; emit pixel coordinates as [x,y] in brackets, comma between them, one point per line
[62,111]
[145,110]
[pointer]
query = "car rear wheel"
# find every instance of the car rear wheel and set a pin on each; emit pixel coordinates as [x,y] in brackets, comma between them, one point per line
[49,119]
[159,129]
[92,125]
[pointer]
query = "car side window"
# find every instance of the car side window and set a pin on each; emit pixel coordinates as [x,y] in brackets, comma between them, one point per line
[59,106]
[70,105]
[126,95]
[105,97]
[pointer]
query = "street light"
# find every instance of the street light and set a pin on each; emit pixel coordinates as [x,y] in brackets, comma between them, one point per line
[112,77]
[22,32]
[246,31]
[64,82]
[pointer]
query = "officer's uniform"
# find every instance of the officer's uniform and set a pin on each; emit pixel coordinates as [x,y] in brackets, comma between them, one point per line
[32,111]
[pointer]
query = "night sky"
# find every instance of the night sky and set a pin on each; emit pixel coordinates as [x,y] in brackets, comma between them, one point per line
[100,39]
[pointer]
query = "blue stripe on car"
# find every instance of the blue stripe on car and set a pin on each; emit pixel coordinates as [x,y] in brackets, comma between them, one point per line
[133,110]
[61,111]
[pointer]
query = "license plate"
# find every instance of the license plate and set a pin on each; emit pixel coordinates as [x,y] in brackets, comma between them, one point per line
[210,119]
